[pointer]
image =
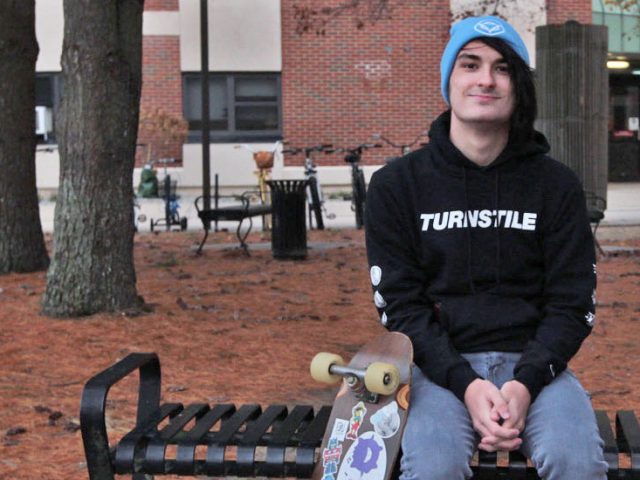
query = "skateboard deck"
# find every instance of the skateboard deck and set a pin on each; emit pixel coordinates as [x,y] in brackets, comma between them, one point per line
[364,431]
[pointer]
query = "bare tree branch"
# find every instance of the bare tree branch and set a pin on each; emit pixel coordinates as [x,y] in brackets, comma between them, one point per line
[317,18]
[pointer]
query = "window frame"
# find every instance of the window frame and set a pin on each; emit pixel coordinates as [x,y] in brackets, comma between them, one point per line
[232,134]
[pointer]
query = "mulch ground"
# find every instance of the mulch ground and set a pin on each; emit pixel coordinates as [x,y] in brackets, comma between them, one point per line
[231,328]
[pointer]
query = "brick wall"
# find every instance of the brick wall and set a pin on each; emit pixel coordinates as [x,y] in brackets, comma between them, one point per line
[559,11]
[161,101]
[159,5]
[343,86]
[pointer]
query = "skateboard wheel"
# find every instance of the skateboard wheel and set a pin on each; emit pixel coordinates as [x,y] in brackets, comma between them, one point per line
[382,378]
[321,367]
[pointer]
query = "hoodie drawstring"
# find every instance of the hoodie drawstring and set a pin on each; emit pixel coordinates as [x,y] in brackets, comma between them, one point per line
[472,285]
[497,204]
[496,201]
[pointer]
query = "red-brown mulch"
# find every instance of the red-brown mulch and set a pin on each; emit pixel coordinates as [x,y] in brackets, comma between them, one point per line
[231,328]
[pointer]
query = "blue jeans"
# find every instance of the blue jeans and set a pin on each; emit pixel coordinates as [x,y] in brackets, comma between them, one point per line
[561,434]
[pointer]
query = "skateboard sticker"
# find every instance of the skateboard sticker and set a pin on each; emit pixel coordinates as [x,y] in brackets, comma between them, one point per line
[333,452]
[366,459]
[403,397]
[358,412]
[386,421]
[331,458]
[340,429]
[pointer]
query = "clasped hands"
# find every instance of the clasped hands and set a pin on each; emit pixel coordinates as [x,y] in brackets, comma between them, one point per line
[498,415]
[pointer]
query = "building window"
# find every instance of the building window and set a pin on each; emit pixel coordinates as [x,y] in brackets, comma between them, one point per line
[48,92]
[242,106]
[623,25]
[624,110]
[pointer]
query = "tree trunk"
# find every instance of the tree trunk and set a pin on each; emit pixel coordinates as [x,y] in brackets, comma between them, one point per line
[92,269]
[22,247]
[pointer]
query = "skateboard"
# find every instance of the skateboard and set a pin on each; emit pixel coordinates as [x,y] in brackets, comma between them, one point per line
[365,428]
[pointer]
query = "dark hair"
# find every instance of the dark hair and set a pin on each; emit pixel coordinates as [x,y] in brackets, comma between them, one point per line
[526,108]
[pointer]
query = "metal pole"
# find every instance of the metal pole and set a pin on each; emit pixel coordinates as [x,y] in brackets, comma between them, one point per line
[215,186]
[206,160]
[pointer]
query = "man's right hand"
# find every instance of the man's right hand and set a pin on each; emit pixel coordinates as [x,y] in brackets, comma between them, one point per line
[488,409]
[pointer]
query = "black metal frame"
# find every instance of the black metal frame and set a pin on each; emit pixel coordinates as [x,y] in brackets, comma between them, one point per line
[596,206]
[93,405]
[249,441]
[245,441]
[239,210]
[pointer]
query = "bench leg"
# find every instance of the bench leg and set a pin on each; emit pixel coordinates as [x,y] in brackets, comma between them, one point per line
[243,237]
[206,234]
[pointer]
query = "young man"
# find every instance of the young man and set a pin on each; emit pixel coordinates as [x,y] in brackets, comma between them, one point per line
[480,251]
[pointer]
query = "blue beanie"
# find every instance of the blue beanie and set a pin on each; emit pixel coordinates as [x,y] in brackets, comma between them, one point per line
[469,29]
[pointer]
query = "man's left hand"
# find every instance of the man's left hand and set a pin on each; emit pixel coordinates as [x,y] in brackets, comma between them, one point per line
[518,398]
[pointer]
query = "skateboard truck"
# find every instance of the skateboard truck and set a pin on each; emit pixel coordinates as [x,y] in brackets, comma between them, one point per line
[378,378]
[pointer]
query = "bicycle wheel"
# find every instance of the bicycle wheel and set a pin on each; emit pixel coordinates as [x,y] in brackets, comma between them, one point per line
[359,194]
[315,202]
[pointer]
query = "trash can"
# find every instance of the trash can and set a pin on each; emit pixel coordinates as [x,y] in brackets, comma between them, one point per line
[288,229]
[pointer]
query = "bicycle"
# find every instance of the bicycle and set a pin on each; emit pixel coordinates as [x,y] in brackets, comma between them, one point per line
[404,148]
[171,206]
[358,185]
[315,197]
[264,163]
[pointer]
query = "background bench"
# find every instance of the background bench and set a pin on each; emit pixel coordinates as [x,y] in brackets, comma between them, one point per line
[236,208]
[249,441]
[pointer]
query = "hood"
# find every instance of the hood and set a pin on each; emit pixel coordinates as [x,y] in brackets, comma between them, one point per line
[450,156]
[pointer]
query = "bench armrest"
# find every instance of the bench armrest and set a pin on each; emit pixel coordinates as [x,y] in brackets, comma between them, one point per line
[94,399]
[596,206]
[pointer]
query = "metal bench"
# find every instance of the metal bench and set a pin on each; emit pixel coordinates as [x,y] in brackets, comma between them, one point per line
[238,209]
[249,441]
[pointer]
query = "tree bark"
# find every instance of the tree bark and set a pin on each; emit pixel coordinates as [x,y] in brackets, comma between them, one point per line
[92,269]
[22,247]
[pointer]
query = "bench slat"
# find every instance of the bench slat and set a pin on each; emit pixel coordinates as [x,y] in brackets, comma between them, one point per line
[185,456]
[251,438]
[215,464]
[487,460]
[233,212]
[154,458]
[606,433]
[628,432]
[282,437]
[311,439]
[517,465]
[129,446]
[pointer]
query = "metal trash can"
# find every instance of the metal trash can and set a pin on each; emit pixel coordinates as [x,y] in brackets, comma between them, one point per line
[288,229]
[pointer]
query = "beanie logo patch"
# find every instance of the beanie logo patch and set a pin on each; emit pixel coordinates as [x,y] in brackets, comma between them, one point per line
[489,27]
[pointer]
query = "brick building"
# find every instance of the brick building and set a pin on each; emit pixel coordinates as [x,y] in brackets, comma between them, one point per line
[268,82]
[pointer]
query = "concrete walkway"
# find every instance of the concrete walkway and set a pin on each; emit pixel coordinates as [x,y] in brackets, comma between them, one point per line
[622,217]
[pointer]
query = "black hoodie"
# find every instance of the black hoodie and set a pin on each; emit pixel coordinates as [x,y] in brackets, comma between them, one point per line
[466,258]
